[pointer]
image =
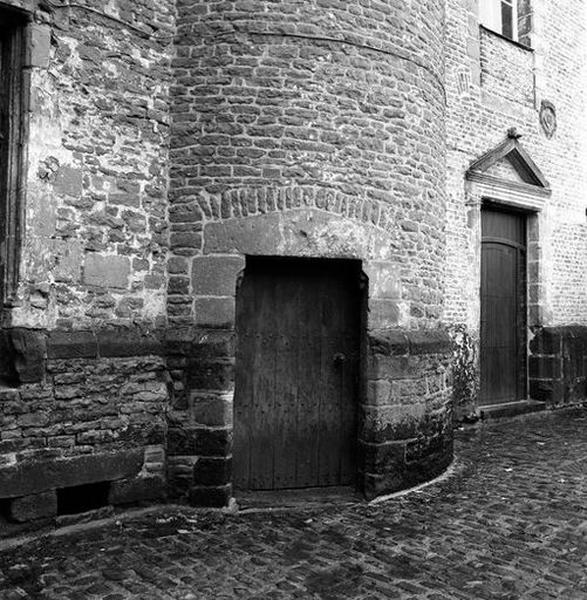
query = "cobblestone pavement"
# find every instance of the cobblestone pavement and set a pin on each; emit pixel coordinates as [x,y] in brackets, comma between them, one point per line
[511,523]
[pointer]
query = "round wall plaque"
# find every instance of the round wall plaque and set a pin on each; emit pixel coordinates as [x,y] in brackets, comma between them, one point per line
[548,118]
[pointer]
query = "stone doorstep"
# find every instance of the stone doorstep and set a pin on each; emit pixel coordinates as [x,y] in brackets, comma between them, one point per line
[510,409]
[297,498]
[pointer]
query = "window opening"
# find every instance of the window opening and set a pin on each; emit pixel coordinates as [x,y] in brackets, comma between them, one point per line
[500,16]
[11,136]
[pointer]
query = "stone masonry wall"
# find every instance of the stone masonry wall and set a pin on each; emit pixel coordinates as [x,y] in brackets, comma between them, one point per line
[94,410]
[281,105]
[84,375]
[494,84]
[406,422]
[558,365]
[94,231]
[300,129]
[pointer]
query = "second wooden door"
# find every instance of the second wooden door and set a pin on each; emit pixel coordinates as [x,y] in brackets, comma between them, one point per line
[503,307]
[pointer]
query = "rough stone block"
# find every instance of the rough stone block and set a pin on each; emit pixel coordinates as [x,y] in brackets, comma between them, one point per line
[216,275]
[215,312]
[379,392]
[391,423]
[388,457]
[106,271]
[178,340]
[8,373]
[138,489]
[432,341]
[68,181]
[213,471]
[181,441]
[38,46]
[34,506]
[213,442]
[211,375]
[383,280]
[213,343]
[33,477]
[379,484]
[72,344]
[388,343]
[29,349]
[257,235]
[211,411]
[126,342]
[68,256]
[383,313]
[210,496]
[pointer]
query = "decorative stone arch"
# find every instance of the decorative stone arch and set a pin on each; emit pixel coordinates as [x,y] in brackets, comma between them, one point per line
[507,176]
[404,414]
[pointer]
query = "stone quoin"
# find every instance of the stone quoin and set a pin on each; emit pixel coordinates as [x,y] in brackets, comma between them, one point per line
[259,245]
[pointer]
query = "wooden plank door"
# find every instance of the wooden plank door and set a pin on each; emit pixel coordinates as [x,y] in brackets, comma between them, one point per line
[503,307]
[298,324]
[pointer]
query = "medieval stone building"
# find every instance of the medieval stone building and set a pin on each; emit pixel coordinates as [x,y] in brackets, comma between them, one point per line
[273,244]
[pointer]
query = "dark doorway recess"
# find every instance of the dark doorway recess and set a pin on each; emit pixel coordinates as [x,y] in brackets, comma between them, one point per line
[503,306]
[82,498]
[297,369]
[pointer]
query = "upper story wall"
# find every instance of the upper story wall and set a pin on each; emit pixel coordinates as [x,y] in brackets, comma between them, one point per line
[494,84]
[332,108]
[95,178]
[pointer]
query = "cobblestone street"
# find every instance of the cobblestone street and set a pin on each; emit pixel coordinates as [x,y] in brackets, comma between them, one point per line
[509,523]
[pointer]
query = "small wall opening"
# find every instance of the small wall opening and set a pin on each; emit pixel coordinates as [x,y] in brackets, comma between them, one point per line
[82,498]
[5,504]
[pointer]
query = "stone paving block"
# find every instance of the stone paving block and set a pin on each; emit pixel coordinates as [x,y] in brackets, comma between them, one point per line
[508,523]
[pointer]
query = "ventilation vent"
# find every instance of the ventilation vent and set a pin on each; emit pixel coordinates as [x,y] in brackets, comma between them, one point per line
[82,498]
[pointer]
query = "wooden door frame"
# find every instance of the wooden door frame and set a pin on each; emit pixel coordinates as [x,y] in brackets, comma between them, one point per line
[532,203]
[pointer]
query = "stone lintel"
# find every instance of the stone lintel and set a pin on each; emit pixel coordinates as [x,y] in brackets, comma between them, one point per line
[27,478]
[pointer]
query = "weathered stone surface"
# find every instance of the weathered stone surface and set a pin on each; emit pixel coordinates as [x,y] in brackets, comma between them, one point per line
[558,365]
[257,236]
[392,342]
[216,275]
[68,181]
[38,46]
[29,351]
[128,342]
[72,344]
[213,471]
[218,496]
[35,506]
[215,312]
[30,478]
[137,489]
[69,258]
[106,271]
[383,280]
[211,410]
[383,313]
[211,375]
[209,344]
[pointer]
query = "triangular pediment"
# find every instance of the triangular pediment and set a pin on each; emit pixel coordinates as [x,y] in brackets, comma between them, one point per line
[509,162]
